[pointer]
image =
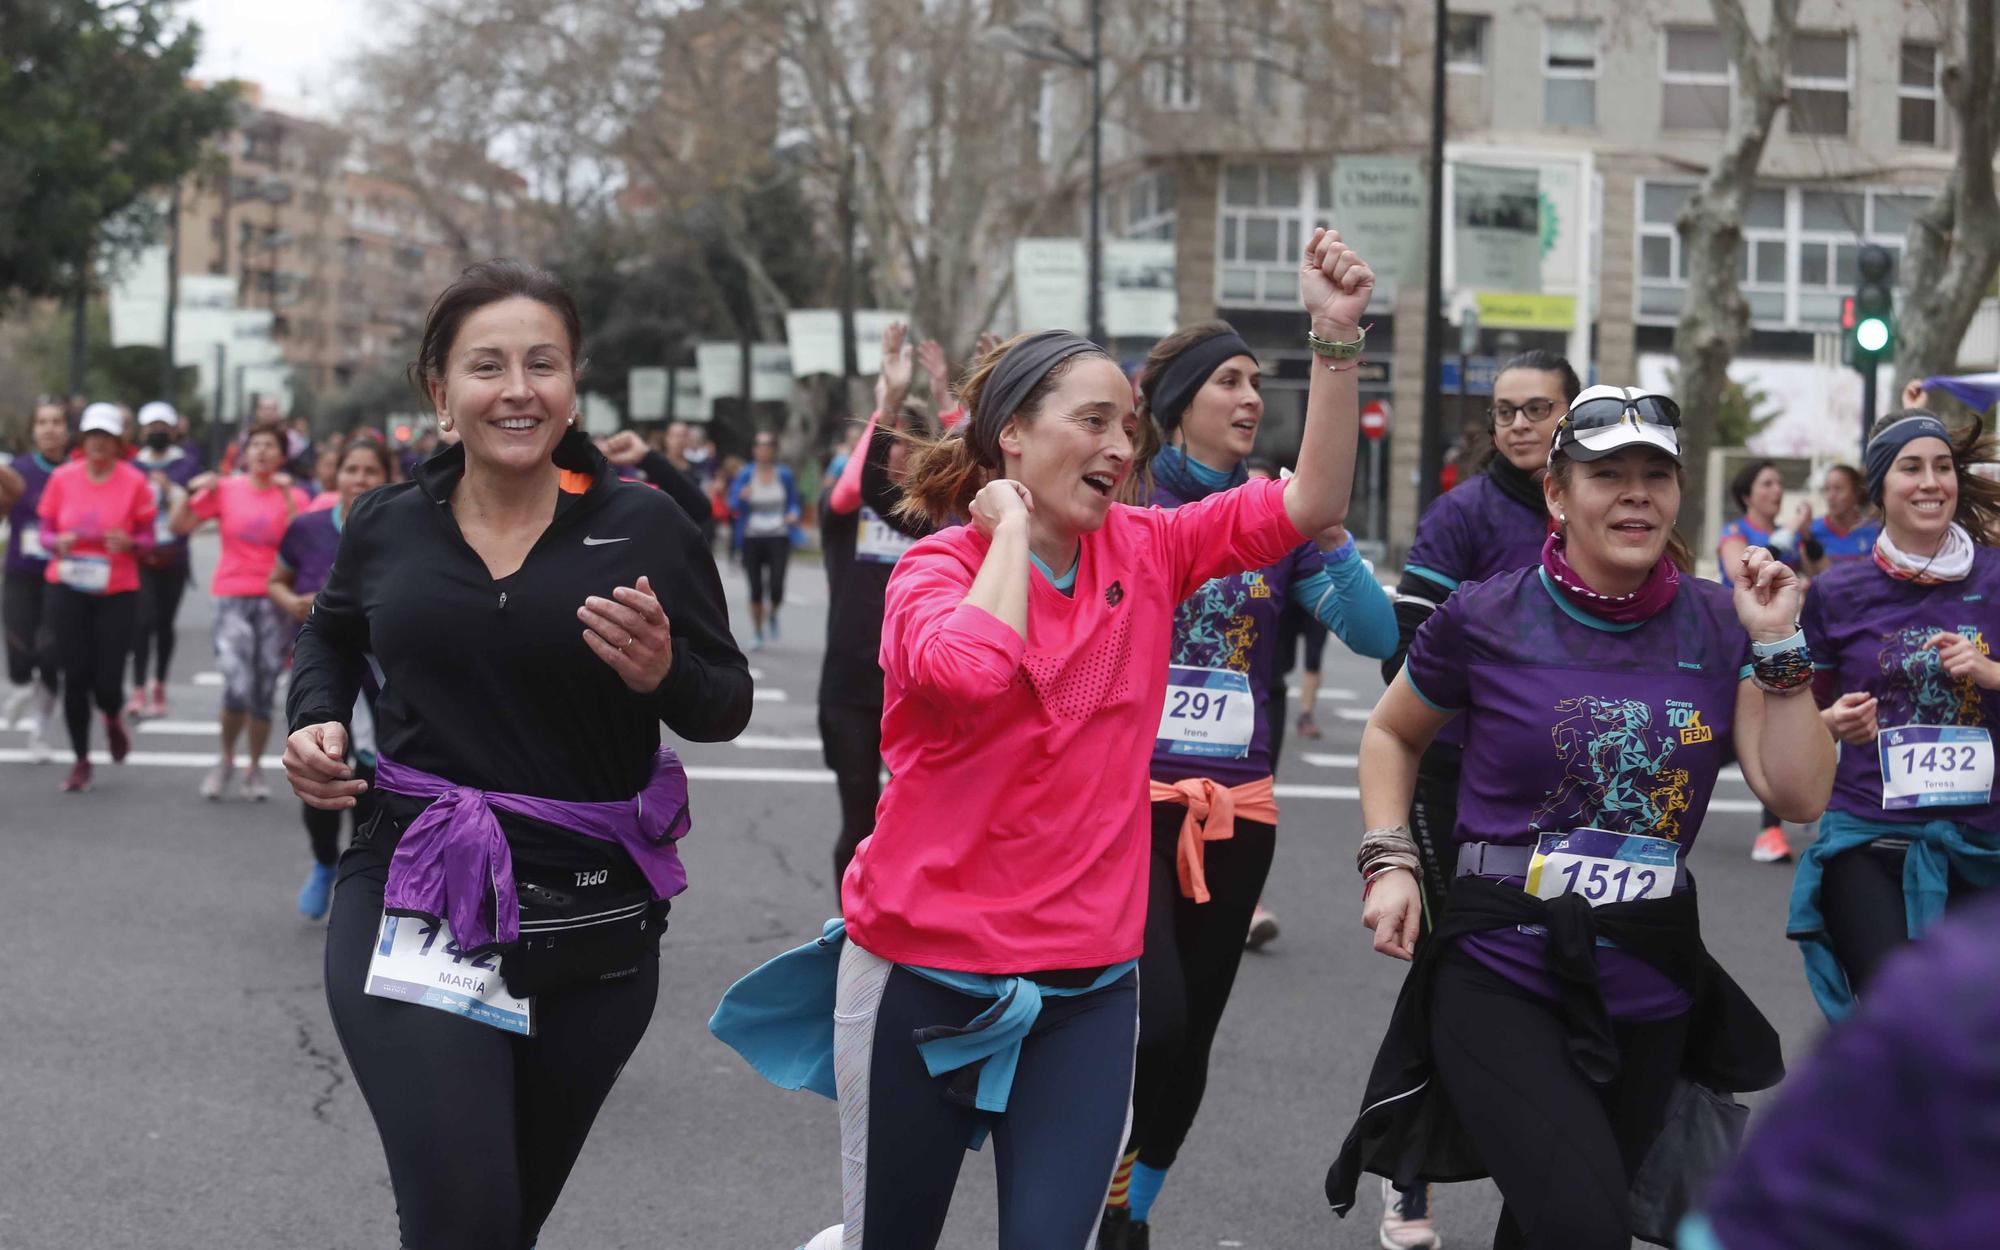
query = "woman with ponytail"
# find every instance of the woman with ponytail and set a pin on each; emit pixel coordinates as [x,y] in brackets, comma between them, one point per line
[985,978]
[1214,813]
[1903,648]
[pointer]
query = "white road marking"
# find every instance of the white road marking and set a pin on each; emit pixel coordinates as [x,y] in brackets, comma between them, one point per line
[769,696]
[1354,713]
[1325,693]
[1330,761]
[760,742]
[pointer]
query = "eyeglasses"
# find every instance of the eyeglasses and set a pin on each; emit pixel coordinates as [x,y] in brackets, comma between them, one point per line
[1598,414]
[1537,409]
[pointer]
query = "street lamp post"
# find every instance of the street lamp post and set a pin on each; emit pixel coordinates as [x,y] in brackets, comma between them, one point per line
[1037,37]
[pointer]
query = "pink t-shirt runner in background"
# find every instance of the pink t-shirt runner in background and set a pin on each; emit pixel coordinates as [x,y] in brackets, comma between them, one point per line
[253,523]
[1013,833]
[324,500]
[73,504]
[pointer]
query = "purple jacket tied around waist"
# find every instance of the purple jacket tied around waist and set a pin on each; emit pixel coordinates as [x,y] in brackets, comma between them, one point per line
[453,862]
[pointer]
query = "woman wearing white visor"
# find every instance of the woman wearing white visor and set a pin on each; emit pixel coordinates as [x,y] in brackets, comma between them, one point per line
[1602,690]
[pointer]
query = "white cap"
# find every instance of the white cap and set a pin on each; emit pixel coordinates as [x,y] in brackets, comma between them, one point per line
[158,413]
[103,419]
[1630,430]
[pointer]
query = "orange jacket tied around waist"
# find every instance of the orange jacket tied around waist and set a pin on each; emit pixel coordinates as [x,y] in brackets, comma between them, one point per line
[1211,817]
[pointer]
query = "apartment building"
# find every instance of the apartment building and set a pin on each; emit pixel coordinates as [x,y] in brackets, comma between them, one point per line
[346,259]
[1233,156]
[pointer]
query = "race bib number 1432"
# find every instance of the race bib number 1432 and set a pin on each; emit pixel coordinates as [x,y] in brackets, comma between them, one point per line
[1935,766]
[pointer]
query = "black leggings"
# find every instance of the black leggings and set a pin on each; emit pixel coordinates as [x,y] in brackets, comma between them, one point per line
[850,737]
[1861,901]
[323,828]
[763,556]
[92,635]
[480,1127]
[903,1139]
[31,645]
[160,593]
[1192,953]
[1562,1151]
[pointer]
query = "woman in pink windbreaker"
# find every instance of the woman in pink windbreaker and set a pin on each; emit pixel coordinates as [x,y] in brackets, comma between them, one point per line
[993,918]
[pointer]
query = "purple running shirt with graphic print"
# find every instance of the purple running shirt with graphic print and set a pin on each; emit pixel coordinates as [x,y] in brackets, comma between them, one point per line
[1572,722]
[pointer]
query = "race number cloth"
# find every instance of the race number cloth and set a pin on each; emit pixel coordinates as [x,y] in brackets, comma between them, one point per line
[86,511]
[1602,867]
[417,961]
[89,574]
[1572,722]
[1212,812]
[454,864]
[1472,533]
[879,542]
[1867,632]
[1208,712]
[1935,766]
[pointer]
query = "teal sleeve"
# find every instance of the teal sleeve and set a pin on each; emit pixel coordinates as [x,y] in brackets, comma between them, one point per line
[1345,597]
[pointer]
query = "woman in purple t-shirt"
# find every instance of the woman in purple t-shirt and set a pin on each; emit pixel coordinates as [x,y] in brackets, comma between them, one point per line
[1564,987]
[1903,646]
[305,559]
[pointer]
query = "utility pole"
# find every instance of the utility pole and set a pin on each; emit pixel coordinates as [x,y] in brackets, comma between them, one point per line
[850,354]
[1431,457]
[169,377]
[1097,334]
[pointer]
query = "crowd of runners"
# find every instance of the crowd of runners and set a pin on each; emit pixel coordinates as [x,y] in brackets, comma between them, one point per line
[1063,601]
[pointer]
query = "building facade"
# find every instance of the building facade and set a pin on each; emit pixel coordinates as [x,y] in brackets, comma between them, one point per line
[1233,156]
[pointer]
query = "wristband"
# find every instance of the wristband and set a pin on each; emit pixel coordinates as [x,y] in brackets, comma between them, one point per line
[1796,641]
[1338,351]
[1782,667]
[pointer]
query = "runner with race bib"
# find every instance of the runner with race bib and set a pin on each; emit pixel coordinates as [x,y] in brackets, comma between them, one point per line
[96,514]
[1215,813]
[34,671]
[1565,990]
[1903,647]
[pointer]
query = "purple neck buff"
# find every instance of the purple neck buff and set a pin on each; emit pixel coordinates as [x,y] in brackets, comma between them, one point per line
[1642,604]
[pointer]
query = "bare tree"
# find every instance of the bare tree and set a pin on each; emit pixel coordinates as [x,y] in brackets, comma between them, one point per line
[1715,319]
[1953,247]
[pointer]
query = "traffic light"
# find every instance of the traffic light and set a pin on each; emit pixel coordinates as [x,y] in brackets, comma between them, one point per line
[1868,317]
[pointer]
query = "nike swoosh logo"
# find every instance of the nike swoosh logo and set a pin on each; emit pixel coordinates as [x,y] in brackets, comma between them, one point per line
[599,542]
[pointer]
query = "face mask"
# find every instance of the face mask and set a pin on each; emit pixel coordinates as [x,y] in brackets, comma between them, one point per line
[159,440]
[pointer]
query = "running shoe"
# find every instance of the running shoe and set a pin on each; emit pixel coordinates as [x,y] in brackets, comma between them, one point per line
[39,750]
[1771,847]
[17,703]
[1115,1233]
[156,703]
[1263,929]
[254,788]
[826,1238]
[115,734]
[1308,727]
[316,895]
[757,642]
[136,706]
[1403,1232]
[211,785]
[79,778]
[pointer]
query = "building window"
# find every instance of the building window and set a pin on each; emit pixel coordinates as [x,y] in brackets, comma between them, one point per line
[1920,95]
[1695,78]
[1569,74]
[1822,84]
[1149,207]
[1169,76]
[1382,34]
[1266,210]
[1465,42]
[1798,254]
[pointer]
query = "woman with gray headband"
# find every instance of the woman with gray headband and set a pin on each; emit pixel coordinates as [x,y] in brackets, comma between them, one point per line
[984,978]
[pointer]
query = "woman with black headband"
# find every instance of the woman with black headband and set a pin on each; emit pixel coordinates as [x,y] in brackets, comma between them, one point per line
[1908,683]
[987,978]
[1564,989]
[1214,817]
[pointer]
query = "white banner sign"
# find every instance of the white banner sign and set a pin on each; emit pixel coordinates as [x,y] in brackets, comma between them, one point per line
[1050,284]
[770,373]
[721,367]
[1497,219]
[600,415]
[1139,296]
[1378,207]
[646,394]
[688,403]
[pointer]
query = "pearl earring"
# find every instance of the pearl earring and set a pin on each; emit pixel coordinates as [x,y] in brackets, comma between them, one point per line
[1561,519]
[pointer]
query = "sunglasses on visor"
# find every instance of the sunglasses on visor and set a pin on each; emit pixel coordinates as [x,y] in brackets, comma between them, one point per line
[1602,413]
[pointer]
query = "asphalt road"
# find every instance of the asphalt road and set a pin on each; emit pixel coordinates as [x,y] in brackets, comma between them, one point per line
[169,1079]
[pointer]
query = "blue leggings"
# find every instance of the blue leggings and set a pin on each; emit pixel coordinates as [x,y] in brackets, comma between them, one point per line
[902,1141]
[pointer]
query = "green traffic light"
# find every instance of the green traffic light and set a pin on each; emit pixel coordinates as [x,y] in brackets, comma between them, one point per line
[1872,335]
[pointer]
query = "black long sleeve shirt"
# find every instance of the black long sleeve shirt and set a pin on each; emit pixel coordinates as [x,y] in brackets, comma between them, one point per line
[851,671]
[488,682]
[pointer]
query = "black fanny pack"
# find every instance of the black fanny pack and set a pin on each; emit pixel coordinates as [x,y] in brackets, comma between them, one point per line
[576,936]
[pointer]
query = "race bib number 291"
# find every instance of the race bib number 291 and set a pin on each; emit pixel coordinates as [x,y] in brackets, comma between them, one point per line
[1208,712]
